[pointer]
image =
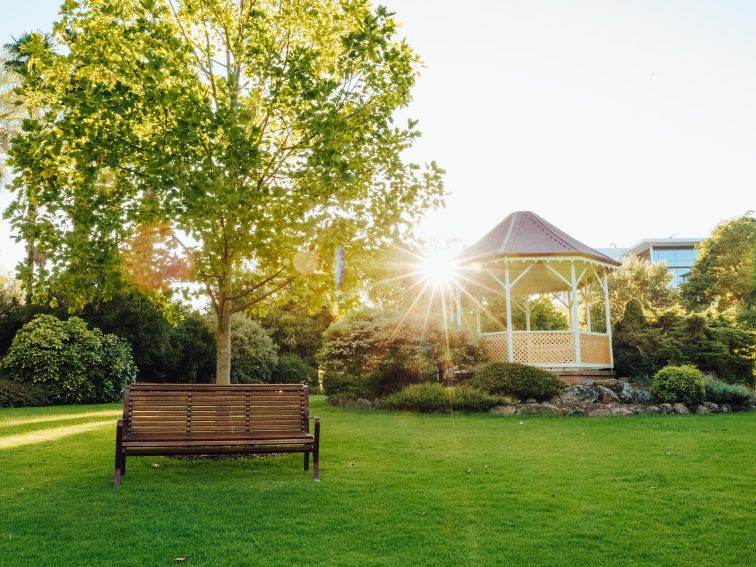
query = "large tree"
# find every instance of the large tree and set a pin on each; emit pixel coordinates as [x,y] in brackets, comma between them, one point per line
[259,132]
[724,274]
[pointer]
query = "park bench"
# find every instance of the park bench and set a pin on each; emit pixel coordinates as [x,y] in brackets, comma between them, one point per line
[209,419]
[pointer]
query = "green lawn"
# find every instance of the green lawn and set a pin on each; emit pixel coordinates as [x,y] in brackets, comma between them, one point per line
[397,489]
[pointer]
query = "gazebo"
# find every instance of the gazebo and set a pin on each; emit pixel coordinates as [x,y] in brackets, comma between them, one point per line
[525,257]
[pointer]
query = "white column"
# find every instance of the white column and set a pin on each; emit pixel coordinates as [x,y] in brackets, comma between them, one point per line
[575,320]
[605,282]
[510,353]
[527,312]
[587,297]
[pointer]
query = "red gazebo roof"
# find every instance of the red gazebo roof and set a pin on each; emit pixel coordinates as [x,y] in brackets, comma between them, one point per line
[524,233]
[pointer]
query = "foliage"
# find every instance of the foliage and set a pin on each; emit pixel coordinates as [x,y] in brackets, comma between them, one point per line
[260,134]
[292,369]
[544,314]
[295,330]
[432,396]
[253,354]
[644,342]
[724,274]
[345,385]
[519,380]
[74,363]
[387,351]
[10,312]
[720,392]
[18,394]
[640,280]
[684,384]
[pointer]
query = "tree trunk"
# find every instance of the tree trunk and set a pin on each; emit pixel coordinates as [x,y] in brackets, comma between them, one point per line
[223,344]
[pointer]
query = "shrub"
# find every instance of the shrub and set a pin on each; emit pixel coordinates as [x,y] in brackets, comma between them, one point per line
[432,396]
[291,369]
[253,354]
[345,385]
[391,352]
[519,380]
[721,392]
[17,394]
[684,384]
[75,364]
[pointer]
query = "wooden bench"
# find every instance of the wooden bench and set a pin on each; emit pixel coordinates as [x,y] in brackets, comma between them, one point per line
[208,419]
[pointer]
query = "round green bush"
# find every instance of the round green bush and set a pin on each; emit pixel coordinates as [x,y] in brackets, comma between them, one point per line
[683,384]
[73,363]
[292,369]
[519,380]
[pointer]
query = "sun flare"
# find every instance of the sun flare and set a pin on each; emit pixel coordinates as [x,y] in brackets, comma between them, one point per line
[439,268]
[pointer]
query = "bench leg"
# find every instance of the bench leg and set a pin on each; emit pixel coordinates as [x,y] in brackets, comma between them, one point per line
[306,460]
[316,452]
[120,457]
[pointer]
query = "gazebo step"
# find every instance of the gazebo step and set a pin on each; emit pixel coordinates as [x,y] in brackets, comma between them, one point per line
[572,376]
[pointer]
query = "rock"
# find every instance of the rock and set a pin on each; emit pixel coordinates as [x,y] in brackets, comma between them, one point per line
[702,409]
[607,396]
[576,411]
[581,392]
[363,403]
[620,411]
[600,412]
[632,395]
[540,409]
[725,408]
[652,409]
[711,406]
[610,383]
[666,408]
[680,409]
[503,410]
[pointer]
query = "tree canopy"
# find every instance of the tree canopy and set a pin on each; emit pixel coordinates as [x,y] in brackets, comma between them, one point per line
[724,274]
[259,134]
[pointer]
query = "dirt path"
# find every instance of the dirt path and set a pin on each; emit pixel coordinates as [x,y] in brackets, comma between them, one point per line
[51,434]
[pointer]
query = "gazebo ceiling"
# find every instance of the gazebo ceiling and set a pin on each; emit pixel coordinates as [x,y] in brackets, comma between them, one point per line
[525,234]
[541,276]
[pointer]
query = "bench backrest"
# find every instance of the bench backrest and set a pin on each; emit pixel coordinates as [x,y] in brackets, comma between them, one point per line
[210,408]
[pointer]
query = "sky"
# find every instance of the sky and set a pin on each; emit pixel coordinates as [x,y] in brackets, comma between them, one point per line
[614,120]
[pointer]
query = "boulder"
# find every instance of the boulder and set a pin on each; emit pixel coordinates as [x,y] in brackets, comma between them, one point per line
[702,409]
[666,408]
[540,409]
[711,406]
[680,409]
[600,412]
[652,409]
[503,410]
[581,392]
[725,408]
[364,403]
[607,396]
[620,411]
[610,383]
[632,395]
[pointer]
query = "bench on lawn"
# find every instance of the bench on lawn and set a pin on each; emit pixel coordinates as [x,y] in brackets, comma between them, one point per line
[210,419]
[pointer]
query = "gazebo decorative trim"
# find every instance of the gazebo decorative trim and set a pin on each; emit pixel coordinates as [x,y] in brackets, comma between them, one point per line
[528,252]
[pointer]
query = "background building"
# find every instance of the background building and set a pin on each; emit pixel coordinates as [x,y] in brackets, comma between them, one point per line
[678,253]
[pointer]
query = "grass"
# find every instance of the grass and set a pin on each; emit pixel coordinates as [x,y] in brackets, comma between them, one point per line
[398,489]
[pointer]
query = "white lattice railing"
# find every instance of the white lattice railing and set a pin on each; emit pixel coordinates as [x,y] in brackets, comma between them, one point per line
[550,348]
